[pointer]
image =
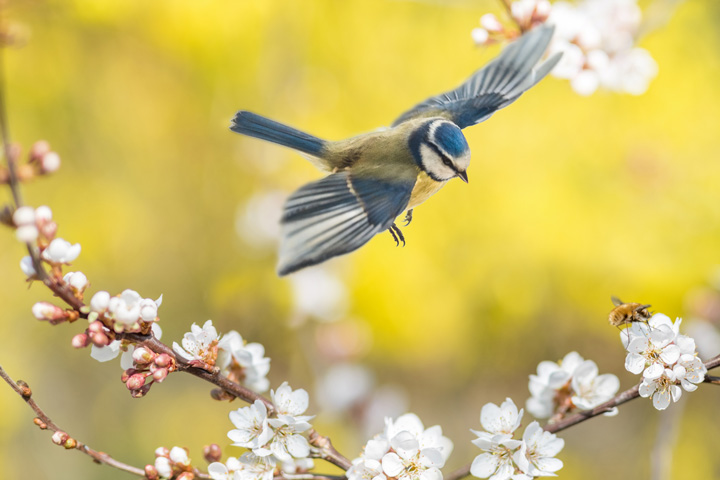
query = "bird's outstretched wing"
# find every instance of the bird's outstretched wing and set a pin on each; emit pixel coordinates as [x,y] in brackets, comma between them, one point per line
[337,215]
[496,85]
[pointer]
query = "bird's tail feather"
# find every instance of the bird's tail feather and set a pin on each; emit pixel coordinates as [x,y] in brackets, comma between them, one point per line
[257,126]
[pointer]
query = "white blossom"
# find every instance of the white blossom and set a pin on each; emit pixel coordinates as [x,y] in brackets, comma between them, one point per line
[590,389]
[50,162]
[179,456]
[503,456]
[252,430]
[666,358]
[24,216]
[163,467]
[404,450]
[61,251]
[249,357]
[574,380]
[198,343]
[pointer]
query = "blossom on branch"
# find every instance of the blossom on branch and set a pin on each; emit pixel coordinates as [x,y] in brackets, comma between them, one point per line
[572,383]
[666,358]
[61,251]
[199,344]
[243,362]
[597,39]
[404,450]
[503,456]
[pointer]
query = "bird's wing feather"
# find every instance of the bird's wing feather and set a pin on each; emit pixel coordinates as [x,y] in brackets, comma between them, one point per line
[337,215]
[494,86]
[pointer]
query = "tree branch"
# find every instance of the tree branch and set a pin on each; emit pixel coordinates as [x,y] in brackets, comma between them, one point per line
[44,422]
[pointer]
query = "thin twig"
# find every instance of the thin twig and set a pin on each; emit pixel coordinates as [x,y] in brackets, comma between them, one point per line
[45,422]
[507,4]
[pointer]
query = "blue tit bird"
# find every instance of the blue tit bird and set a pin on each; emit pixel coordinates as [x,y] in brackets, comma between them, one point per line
[375,176]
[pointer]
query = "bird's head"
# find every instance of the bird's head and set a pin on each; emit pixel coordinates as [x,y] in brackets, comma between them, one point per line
[440,150]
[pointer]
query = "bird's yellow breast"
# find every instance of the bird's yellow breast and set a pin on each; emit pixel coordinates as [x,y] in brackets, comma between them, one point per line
[425,187]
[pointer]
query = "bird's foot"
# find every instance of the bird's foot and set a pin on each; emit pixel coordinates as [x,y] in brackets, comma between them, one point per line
[408,217]
[397,235]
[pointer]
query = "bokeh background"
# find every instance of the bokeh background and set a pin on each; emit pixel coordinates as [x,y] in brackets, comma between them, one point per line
[570,200]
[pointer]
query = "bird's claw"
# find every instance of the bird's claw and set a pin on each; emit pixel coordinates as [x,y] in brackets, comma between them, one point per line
[397,235]
[408,217]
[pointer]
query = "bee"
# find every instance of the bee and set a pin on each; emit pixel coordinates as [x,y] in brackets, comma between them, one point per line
[626,313]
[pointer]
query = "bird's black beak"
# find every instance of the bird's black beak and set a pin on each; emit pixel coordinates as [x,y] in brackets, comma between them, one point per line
[463,176]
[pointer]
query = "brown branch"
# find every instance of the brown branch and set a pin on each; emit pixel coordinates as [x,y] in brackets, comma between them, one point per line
[44,422]
[326,451]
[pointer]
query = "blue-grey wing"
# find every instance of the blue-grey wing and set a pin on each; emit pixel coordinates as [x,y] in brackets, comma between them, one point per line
[496,85]
[337,215]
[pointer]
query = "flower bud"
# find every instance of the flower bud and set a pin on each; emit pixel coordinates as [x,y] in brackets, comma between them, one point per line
[136,382]
[99,339]
[490,23]
[81,340]
[77,280]
[96,327]
[61,251]
[27,267]
[212,453]
[59,438]
[39,150]
[186,476]
[180,456]
[27,233]
[141,392]
[50,162]
[142,356]
[43,214]
[163,467]
[48,229]
[160,374]
[100,301]
[162,452]
[163,360]
[24,216]
[48,311]
[151,472]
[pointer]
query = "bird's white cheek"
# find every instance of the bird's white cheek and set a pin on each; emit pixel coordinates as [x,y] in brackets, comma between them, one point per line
[434,165]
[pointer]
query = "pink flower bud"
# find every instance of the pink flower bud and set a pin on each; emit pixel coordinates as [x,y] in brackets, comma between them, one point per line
[48,311]
[39,149]
[160,374]
[212,452]
[163,360]
[81,340]
[60,438]
[48,229]
[143,356]
[136,382]
[96,327]
[162,452]
[151,472]
[490,23]
[99,339]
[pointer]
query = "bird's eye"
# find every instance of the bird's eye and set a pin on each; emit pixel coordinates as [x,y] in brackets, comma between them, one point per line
[447,162]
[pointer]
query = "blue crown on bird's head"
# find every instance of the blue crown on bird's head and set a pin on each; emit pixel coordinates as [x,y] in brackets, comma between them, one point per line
[440,150]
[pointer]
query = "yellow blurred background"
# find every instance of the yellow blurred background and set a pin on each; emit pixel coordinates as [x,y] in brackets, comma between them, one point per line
[571,200]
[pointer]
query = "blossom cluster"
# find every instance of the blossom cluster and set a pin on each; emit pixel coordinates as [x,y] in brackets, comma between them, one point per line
[572,383]
[503,456]
[272,438]
[238,360]
[173,463]
[405,450]
[597,38]
[666,358]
